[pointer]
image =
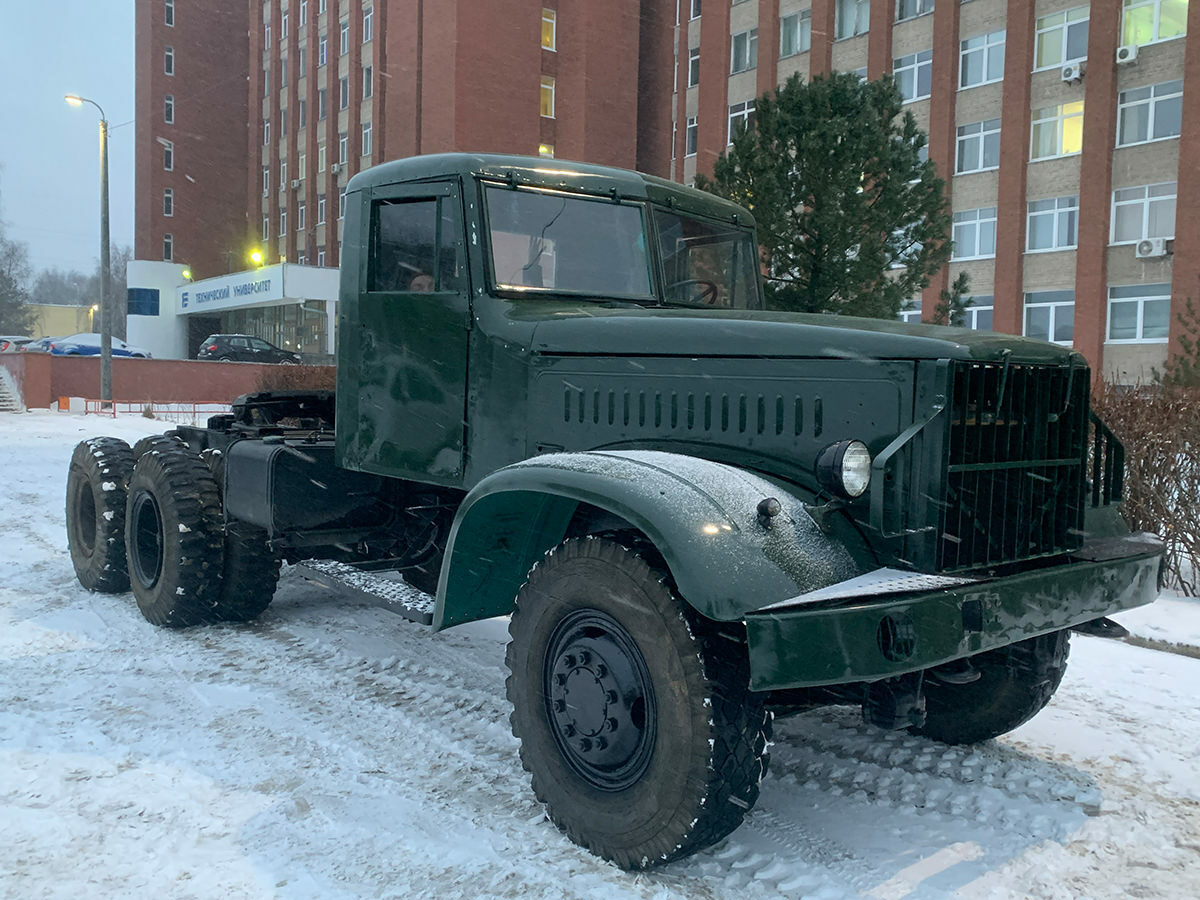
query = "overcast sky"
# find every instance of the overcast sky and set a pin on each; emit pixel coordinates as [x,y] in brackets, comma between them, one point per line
[49,151]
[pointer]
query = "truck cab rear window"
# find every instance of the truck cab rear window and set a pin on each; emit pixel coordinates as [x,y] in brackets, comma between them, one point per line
[415,246]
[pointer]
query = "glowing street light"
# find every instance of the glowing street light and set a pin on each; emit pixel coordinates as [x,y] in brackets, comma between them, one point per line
[256,257]
[106,316]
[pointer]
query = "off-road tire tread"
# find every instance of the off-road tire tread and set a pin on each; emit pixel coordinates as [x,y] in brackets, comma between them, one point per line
[152,441]
[250,575]
[1016,682]
[98,461]
[181,480]
[740,726]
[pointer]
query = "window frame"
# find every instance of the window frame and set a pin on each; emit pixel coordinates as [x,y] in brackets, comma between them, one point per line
[1060,118]
[1157,39]
[982,136]
[1040,31]
[917,64]
[749,58]
[1152,101]
[368,24]
[547,91]
[1054,306]
[741,112]
[859,6]
[368,86]
[168,109]
[169,13]
[168,156]
[1056,214]
[691,136]
[343,37]
[168,206]
[920,10]
[343,92]
[1141,299]
[549,29]
[168,246]
[978,223]
[169,61]
[693,66]
[987,48]
[803,26]
[1144,202]
[365,145]
[695,10]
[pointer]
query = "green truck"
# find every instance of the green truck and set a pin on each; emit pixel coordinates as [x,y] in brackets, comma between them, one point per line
[560,399]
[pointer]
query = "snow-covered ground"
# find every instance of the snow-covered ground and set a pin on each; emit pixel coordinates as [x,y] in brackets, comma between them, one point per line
[334,750]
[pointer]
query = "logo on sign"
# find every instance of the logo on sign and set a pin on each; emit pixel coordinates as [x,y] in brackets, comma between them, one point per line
[185,298]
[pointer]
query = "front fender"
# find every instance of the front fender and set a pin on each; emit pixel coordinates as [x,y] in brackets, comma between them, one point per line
[700,515]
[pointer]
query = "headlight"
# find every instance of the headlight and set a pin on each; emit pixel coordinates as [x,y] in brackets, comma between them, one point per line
[844,469]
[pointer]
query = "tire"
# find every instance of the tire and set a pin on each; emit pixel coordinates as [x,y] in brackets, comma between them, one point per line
[250,575]
[152,441]
[1014,684]
[675,764]
[96,483]
[174,537]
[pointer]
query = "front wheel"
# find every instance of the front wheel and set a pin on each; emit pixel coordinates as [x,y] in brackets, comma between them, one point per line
[634,714]
[96,480]
[1014,684]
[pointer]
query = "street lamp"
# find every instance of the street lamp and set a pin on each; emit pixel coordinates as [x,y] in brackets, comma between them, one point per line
[106,316]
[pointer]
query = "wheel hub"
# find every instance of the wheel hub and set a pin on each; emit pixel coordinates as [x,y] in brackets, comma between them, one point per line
[599,700]
[146,546]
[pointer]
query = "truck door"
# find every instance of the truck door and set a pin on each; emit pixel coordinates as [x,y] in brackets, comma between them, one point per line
[414,318]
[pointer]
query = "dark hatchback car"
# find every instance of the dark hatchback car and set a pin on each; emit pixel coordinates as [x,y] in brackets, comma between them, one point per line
[244,348]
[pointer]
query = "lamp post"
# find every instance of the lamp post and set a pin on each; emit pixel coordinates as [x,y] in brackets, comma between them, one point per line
[106,316]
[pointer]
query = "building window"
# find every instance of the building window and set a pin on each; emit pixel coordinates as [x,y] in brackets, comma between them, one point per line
[168,202]
[320,256]
[283,174]
[303,12]
[169,109]
[693,66]
[267,36]
[169,13]
[795,33]
[981,60]
[168,247]
[366,139]
[978,147]
[914,75]
[322,49]
[266,227]
[741,118]
[1149,113]
[910,312]
[301,165]
[343,148]
[266,180]
[283,123]
[343,92]
[320,209]
[283,72]
[169,60]
[302,69]
[321,103]
[1061,37]
[1057,131]
[283,27]
[691,136]
[549,29]
[1147,21]
[909,9]
[168,156]
[744,54]
[282,222]
[368,23]
[1052,224]
[342,203]
[547,97]
[1050,316]
[695,9]
[344,39]
[266,132]
[368,81]
[303,113]
[1146,211]
[321,157]
[1139,313]
[978,314]
[546,150]
[975,233]
[300,216]
[322,5]
[851,17]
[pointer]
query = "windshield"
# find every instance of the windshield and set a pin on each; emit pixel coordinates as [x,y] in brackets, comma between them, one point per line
[559,243]
[707,264]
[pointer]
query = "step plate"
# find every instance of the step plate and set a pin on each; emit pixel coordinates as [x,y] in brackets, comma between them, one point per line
[400,597]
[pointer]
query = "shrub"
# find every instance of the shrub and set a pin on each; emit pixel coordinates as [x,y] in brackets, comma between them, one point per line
[298,378]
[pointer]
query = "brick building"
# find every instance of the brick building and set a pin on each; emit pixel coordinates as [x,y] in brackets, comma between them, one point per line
[1059,125]
[253,114]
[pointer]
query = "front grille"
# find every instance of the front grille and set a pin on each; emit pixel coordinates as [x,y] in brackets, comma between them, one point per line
[1015,454]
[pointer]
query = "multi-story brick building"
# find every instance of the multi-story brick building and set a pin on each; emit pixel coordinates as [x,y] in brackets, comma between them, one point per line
[1062,127]
[253,114]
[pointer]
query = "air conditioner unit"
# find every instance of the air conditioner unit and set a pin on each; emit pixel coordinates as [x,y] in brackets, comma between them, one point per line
[1127,54]
[1073,73]
[1151,248]
[295,183]
[335,168]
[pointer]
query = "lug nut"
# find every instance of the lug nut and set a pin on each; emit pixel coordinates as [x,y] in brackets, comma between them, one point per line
[585,744]
[569,730]
[560,706]
[610,724]
[601,671]
[601,744]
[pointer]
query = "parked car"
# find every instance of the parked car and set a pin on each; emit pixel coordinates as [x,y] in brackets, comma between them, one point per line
[244,348]
[88,344]
[10,343]
[41,345]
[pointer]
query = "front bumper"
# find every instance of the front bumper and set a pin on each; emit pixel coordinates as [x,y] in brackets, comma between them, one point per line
[867,638]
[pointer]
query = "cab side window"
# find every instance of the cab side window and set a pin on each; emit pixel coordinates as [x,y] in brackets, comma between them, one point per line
[416,246]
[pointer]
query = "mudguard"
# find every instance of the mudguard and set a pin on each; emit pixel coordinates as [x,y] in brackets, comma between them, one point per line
[701,516]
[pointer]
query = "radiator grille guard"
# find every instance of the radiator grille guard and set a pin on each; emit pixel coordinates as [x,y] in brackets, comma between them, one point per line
[1015,452]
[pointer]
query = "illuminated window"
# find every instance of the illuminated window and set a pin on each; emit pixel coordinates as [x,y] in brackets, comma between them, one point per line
[546,150]
[168,202]
[1061,38]
[1147,21]
[1149,113]
[1052,224]
[795,33]
[978,147]
[549,29]
[1139,313]
[1050,316]
[981,59]
[1145,211]
[1057,131]
[169,60]
[547,97]
[169,109]
[744,51]
[914,75]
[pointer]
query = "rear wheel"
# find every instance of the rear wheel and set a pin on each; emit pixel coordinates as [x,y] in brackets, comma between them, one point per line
[1015,683]
[250,576]
[96,482]
[173,537]
[634,714]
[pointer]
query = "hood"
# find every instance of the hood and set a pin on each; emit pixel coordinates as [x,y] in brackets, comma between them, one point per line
[596,330]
